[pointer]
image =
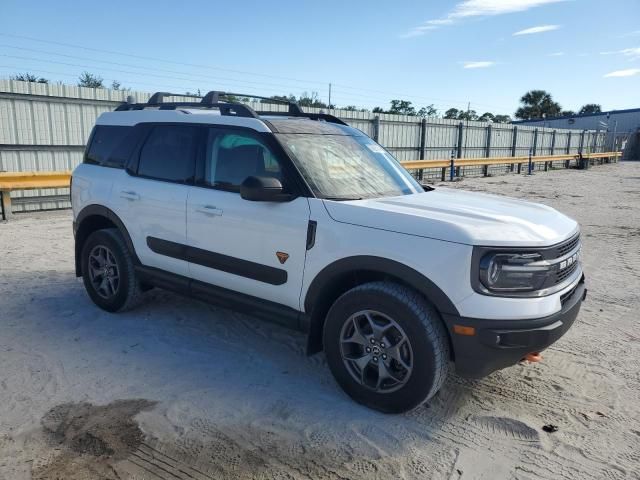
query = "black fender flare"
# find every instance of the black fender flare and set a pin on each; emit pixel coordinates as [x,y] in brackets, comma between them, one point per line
[95,210]
[331,274]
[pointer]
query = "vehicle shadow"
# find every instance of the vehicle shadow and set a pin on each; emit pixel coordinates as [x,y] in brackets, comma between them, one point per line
[218,378]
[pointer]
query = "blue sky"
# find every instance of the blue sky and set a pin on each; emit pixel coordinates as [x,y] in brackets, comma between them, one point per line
[487,52]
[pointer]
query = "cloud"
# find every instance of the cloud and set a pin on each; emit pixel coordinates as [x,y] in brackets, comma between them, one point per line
[440,21]
[483,64]
[476,8]
[538,29]
[630,72]
[418,31]
[556,54]
[627,52]
[635,33]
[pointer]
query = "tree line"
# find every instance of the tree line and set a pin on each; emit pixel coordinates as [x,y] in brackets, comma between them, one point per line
[86,79]
[535,104]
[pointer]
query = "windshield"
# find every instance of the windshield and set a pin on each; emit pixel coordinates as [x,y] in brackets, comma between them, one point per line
[341,167]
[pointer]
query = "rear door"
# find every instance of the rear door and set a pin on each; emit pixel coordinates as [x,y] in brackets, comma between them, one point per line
[152,198]
[256,248]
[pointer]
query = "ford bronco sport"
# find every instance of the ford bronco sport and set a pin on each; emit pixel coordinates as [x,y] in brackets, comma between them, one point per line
[303,220]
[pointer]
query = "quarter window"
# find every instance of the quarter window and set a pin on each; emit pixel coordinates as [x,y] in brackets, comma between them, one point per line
[169,153]
[104,140]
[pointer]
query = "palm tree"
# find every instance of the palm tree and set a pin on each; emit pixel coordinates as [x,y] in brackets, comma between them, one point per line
[535,104]
[591,108]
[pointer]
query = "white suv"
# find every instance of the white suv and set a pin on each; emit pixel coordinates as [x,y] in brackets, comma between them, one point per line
[306,221]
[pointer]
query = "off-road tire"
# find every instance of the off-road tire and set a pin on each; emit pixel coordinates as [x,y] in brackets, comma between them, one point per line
[423,327]
[128,292]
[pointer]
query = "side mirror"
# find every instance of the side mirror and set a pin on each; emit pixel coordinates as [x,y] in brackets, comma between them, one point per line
[263,189]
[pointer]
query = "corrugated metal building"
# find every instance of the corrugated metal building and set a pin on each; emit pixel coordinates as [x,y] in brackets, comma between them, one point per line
[622,127]
[44,127]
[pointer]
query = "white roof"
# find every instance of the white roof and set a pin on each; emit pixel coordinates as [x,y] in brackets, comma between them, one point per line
[133,117]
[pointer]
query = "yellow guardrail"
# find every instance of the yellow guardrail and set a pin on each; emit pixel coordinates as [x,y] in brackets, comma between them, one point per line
[31,180]
[474,162]
[10,181]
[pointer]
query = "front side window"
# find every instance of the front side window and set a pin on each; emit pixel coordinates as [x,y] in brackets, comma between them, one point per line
[232,156]
[342,167]
[169,153]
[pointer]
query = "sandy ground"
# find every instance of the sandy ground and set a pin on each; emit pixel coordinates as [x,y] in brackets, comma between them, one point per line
[181,390]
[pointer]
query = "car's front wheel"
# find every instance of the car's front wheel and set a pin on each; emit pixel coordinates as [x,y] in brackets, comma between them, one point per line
[386,346]
[108,271]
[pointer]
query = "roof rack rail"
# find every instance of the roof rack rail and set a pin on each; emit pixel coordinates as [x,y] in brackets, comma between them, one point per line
[158,97]
[209,101]
[293,111]
[294,108]
[313,116]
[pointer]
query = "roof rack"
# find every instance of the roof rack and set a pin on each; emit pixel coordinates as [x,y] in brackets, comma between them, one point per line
[210,100]
[215,99]
[294,108]
[313,116]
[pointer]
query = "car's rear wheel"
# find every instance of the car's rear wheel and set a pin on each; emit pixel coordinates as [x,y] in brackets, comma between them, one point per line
[386,346]
[108,271]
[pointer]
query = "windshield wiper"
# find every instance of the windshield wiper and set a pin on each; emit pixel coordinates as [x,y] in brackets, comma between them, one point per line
[342,199]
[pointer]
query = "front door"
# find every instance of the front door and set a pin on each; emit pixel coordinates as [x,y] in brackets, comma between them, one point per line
[256,248]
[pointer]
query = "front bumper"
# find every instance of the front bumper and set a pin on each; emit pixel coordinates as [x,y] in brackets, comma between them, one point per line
[501,343]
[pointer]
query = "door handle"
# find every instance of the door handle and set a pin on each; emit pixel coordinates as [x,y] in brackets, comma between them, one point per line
[209,210]
[129,195]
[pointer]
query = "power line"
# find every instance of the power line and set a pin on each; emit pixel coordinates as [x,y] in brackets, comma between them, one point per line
[410,96]
[387,95]
[142,57]
[336,99]
[128,72]
[188,78]
[164,86]
[191,86]
[50,72]
[128,65]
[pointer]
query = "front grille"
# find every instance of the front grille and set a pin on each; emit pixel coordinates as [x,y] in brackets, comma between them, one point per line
[572,263]
[563,274]
[568,246]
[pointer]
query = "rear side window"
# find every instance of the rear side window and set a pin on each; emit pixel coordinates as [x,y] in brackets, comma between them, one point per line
[104,140]
[169,153]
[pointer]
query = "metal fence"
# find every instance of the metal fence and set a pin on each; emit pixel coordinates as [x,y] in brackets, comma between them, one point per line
[44,127]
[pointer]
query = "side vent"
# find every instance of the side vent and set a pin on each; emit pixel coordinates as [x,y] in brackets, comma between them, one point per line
[311,234]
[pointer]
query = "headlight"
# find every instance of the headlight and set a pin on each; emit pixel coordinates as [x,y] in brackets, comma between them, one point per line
[525,271]
[514,272]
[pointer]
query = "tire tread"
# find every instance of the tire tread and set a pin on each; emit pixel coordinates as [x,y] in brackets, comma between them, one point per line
[429,318]
[134,291]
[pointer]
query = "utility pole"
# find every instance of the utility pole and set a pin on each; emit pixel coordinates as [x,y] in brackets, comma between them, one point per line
[466,128]
[329,106]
